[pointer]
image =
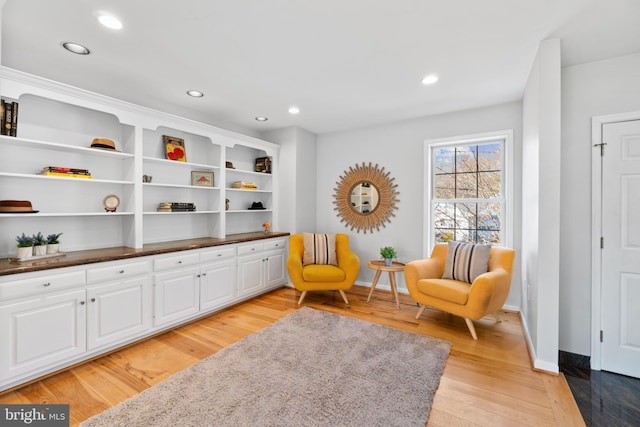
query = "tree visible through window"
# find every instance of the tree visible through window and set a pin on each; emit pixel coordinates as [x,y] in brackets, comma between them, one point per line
[467,195]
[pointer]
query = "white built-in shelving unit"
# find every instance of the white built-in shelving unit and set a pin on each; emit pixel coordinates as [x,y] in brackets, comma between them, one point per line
[56,124]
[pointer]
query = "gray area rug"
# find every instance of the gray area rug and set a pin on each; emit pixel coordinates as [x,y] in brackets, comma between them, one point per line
[310,368]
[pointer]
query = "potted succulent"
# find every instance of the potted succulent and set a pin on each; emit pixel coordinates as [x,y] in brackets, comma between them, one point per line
[53,243]
[25,246]
[39,244]
[388,253]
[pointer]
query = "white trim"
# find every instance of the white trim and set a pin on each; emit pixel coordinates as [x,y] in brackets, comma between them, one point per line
[537,364]
[597,123]
[507,136]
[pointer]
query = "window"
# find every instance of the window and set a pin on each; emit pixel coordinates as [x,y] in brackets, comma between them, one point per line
[467,189]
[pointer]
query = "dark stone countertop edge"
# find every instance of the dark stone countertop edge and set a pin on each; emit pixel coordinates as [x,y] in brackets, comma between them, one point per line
[70,259]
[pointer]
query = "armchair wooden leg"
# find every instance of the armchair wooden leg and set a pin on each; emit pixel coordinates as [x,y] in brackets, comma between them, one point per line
[304,294]
[420,311]
[344,296]
[496,315]
[472,328]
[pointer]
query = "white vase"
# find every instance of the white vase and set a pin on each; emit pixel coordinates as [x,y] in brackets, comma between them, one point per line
[40,250]
[52,248]
[388,261]
[25,252]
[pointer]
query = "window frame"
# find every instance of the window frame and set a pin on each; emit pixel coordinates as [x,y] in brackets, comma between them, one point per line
[506,227]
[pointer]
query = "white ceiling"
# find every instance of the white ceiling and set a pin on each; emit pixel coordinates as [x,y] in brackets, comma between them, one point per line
[345,63]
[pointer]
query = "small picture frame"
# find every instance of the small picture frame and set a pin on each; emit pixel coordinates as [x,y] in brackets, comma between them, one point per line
[202,178]
[174,148]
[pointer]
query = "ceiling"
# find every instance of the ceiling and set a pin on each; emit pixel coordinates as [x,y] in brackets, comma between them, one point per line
[345,63]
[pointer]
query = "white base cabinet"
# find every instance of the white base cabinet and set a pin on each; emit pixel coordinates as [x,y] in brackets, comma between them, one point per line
[41,331]
[52,319]
[261,266]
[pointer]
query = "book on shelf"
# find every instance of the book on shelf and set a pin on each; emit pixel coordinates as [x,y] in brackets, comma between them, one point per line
[263,164]
[9,117]
[66,174]
[244,185]
[176,207]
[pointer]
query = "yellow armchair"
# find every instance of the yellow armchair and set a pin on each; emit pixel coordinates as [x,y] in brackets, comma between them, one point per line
[316,277]
[472,301]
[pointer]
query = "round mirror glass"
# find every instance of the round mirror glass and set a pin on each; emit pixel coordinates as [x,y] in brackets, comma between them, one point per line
[364,198]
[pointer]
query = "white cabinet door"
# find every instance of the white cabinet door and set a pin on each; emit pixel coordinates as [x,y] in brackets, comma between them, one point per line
[217,284]
[41,331]
[250,273]
[275,269]
[176,295]
[117,311]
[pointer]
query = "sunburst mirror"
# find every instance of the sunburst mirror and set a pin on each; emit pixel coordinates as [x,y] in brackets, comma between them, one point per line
[365,197]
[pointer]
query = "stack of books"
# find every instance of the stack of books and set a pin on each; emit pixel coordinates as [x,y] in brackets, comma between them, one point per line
[9,117]
[263,164]
[244,185]
[176,207]
[65,172]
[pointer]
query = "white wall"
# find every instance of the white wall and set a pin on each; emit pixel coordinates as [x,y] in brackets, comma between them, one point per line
[399,148]
[593,89]
[296,208]
[541,205]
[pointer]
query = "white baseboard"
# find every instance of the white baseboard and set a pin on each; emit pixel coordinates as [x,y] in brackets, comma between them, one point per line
[538,365]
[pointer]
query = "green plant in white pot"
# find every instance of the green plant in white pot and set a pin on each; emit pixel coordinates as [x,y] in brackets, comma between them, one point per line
[53,243]
[25,246]
[39,244]
[388,253]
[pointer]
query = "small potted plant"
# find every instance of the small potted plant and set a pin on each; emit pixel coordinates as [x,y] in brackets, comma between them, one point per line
[39,244]
[266,226]
[388,253]
[25,246]
[53,243]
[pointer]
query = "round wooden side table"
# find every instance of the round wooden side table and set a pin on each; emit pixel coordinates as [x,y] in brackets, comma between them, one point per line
[380,266]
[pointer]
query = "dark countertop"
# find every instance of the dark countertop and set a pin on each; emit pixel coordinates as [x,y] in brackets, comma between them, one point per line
[112,254]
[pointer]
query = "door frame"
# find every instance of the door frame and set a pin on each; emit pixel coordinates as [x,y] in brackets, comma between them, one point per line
[597,123]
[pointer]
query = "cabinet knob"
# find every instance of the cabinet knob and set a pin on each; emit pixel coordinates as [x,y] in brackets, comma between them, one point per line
[93,300]
[47,284]
[81,302]
[219,255]
[179,262]
[204,274]
[121,271]
[198,275]
[277,245]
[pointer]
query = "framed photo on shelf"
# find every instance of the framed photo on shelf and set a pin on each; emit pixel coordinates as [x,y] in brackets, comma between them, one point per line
[174,148]
[202,178]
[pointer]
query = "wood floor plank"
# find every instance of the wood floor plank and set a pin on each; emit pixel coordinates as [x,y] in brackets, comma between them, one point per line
[485,382]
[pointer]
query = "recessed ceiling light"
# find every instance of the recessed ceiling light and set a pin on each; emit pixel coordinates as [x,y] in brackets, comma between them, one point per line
[195,93]
[76,48]
[429,79]
[294,110]
[110,21]
[262,118]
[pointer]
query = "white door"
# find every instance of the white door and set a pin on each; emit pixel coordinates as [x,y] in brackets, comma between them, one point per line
[217,284]
[117,311]
[275,270]
[620,284]
[250,270]
[176,295]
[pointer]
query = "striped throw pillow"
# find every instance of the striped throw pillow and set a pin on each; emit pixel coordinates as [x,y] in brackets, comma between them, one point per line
[466,261]
[319,249]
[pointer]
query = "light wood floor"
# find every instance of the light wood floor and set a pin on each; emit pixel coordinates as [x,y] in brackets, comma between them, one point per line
[485,382]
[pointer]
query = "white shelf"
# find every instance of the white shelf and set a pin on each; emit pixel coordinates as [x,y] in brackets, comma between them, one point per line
[248,210]
[191,187]
[245,172]
[180,213]
[64,214]
[55,146]
[62,178]
[239,190]
[166,162]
